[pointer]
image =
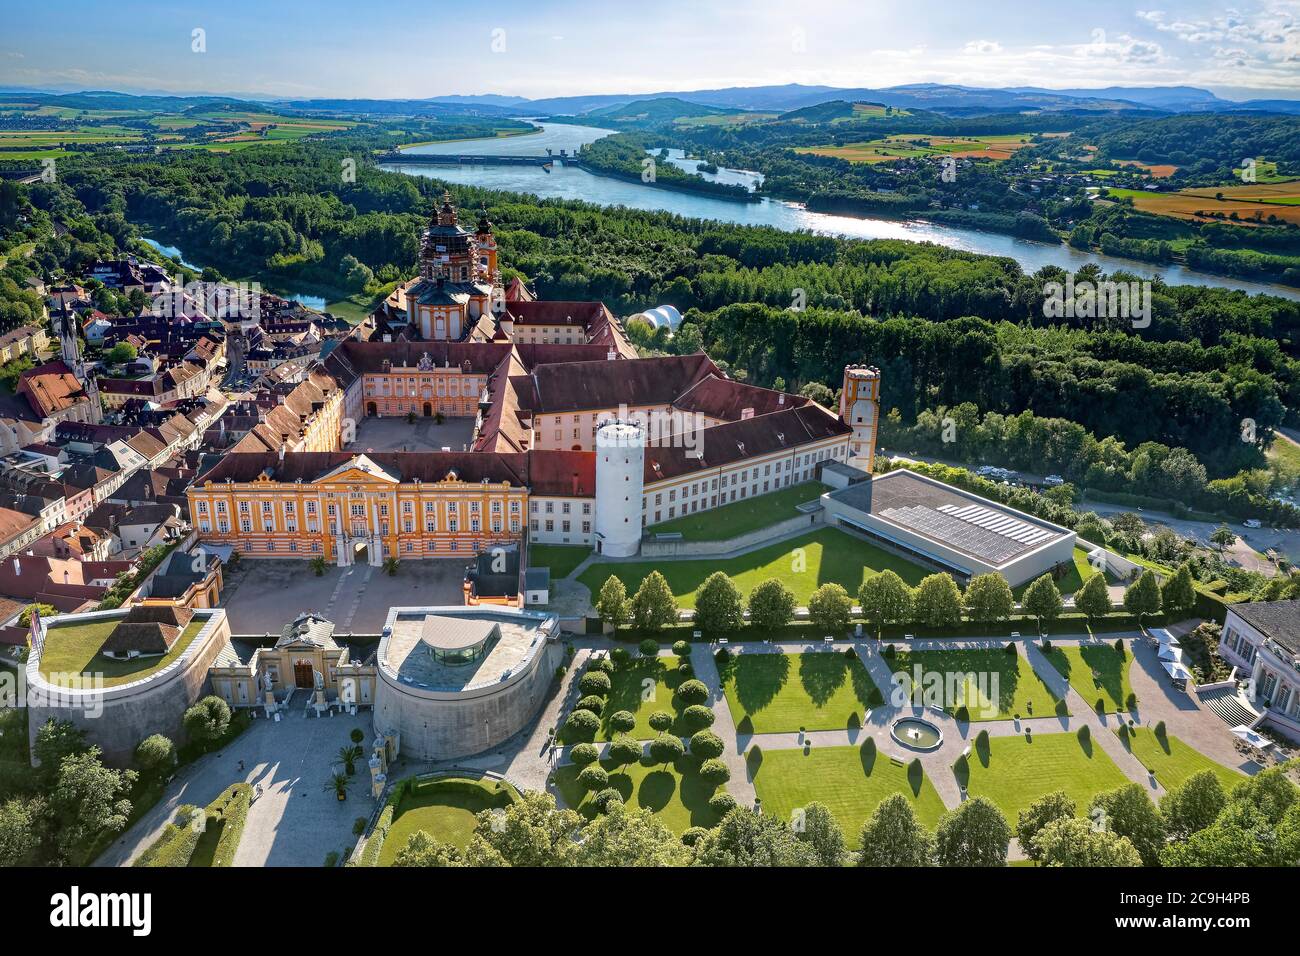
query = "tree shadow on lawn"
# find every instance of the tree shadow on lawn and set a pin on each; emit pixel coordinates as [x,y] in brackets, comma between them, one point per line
[626,692]
[1107,669]
[656,789]
[822,674]
[757,678]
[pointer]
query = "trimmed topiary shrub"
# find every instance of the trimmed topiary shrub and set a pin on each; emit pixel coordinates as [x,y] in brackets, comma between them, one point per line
[581,723]
[714,772]
[594,683]
[693,691]
[698,716]
[661,720]
[619,655]
[706,745]
[603,665]
[622,720]
[1119,646]
[722,803]
[607,799]
[682,648]
[889,651]
[593,777]
[584,754]
[1011,647]
[685,669]
[592,703]
[649,647]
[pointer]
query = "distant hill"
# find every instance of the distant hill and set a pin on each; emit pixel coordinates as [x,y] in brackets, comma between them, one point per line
[664,110]
[835,110]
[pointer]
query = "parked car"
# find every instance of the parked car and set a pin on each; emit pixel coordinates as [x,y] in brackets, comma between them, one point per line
[1052,481]
[1253,523]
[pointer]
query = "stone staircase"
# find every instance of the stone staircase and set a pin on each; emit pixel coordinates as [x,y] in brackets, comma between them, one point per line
[1230,707]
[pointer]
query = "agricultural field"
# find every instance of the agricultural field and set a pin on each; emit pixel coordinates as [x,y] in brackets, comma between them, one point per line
[1155,170]
[913,145]
[724,119]
[237,130]
[1255,203]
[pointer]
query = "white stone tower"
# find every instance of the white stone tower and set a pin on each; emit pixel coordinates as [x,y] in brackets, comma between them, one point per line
[620,487]
[860,410]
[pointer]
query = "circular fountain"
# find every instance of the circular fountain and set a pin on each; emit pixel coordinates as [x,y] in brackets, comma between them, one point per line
[917,734]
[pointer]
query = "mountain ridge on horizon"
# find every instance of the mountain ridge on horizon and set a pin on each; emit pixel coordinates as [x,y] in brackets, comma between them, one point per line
[766,98]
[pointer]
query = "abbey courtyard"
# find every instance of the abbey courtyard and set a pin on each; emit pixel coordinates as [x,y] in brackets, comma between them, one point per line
[480,545]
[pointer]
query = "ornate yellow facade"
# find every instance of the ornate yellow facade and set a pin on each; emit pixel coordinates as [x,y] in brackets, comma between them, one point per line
[359,510]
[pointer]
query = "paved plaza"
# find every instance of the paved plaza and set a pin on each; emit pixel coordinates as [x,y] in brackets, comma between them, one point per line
[295,821]
[425,434]
[263,595]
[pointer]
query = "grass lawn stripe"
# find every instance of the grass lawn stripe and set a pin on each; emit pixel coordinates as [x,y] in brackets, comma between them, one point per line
[803,564]
[1016,771]
[1018,689]
[1095,671]
[771,693]
[850,781]
[1174,761]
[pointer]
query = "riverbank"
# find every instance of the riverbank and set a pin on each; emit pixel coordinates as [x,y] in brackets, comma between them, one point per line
[570,182]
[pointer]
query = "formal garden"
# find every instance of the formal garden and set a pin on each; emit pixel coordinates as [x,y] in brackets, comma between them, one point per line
[662,755]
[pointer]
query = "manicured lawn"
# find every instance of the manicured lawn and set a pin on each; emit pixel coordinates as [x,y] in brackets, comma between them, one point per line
[742,517]
[1015,772]
[1174,761]
[560,558]
[446,809]
[1096,671]
[644,685]
[992,684]
[803,564]
[676,793]
[849,780]
[770,693]
[74,649]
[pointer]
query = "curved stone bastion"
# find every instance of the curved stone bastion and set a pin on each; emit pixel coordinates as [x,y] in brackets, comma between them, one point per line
[119,701]
[455,681]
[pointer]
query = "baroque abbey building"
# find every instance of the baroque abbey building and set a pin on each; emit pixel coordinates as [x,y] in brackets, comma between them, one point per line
[574,439]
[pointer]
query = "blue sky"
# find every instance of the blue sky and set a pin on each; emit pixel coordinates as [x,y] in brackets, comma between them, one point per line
[562,47]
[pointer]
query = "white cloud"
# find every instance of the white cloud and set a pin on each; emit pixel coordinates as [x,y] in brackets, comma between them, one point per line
[982,47]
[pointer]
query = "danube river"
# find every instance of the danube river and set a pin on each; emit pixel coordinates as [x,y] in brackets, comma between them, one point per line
[568,182]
